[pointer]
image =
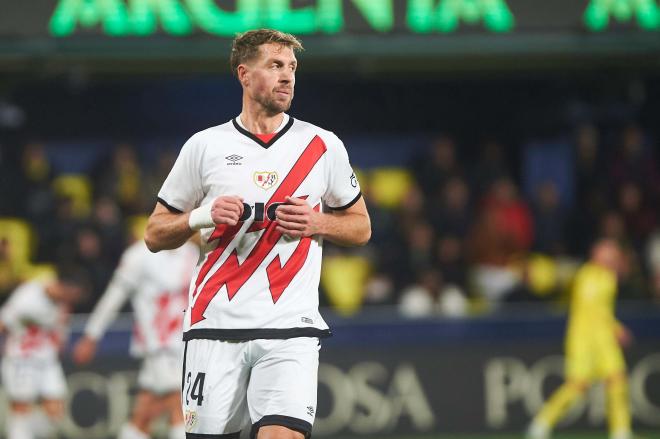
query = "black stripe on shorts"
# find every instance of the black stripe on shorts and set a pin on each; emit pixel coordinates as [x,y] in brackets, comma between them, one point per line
[183,373]
[289,422]
[254,334]
[213,436]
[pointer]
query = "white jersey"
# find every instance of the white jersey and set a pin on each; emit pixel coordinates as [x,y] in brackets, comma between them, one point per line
[36,325]
[158,287]
[253,282]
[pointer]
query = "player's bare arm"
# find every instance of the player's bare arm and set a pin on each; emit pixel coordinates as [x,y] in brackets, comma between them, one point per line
[167,230]
[350,227]
[84,350]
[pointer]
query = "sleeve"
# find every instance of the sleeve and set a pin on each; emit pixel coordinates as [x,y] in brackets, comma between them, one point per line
[12,312]
[123,283]
[343,188]
[182,190]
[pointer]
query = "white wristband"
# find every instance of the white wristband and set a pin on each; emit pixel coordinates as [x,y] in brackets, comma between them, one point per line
[200,218]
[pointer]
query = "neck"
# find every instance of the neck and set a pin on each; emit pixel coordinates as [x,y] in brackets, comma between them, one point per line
[257,120]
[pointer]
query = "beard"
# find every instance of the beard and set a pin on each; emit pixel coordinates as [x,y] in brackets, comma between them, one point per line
[275,106]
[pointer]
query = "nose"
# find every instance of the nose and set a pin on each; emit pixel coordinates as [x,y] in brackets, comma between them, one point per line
[287,77]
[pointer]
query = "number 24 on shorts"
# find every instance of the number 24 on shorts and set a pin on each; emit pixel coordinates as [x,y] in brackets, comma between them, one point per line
[195,391]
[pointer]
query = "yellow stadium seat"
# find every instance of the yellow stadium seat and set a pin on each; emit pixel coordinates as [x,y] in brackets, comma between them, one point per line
[363,178]
[20,238]
[389,186]
[79,189]
[344,279]
[542,274]
[137,224]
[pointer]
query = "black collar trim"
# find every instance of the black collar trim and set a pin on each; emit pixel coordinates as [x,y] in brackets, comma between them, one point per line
[266,145]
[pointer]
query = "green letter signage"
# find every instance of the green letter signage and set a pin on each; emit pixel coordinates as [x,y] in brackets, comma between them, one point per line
[217,21]
[181,17]
[597,14]
[140,17]
[69,13]
[173,17]
[424,17]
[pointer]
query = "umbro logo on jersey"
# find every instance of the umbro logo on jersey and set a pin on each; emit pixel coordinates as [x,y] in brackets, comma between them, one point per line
[265,180]
[234,160]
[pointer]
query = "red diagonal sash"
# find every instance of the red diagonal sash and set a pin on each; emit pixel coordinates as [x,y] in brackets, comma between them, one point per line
[234,274]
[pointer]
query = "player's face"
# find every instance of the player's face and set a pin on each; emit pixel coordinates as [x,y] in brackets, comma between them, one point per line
[272,77]
[609,255]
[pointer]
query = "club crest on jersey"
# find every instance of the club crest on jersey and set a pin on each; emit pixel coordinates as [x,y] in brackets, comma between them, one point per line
[265,180]
[190,420]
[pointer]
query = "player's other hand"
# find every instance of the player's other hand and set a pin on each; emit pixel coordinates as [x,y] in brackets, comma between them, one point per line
[227,209]
[297,219]
[84,350]
[624,336]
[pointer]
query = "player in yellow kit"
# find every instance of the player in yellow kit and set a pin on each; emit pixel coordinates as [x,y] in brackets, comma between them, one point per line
[593,346]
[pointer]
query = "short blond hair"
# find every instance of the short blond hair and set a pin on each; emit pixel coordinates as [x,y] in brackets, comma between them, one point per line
[245,46]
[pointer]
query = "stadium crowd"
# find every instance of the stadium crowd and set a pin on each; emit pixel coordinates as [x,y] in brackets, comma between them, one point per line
[463,236]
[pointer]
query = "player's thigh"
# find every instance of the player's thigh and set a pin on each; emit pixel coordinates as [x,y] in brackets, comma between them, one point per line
[215,379]
[21,380]
[278,432]
[610,360]
[54,408]
[579,362]
[53,382]
[172,405]
[283,384]
[145,409]
[160,373]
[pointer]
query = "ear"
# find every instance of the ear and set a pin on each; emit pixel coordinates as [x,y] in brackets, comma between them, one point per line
[242,73]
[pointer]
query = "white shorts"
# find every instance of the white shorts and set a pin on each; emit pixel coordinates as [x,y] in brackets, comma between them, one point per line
[229,385]
[160,373]
[28,380]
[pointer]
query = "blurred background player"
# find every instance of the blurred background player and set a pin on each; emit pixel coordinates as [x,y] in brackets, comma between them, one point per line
[35,319]
[158,287]
[593,345]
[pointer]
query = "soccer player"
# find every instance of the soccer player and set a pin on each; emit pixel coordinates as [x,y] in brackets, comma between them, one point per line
[593,345]
[35,320]
[158,287]
[265,190]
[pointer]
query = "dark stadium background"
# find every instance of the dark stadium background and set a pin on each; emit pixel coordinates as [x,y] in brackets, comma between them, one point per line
[446,325]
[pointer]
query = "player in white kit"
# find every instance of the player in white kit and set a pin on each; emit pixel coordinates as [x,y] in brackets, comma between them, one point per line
[265,190]
[35,321]
[157,285]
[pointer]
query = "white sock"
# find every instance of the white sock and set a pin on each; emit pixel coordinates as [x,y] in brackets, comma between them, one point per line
[18,426]
[42,426]
[129,431]
[625,434]
[177,432]
[538,430]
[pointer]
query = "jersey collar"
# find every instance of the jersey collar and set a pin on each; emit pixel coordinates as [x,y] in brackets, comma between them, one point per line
[287,122]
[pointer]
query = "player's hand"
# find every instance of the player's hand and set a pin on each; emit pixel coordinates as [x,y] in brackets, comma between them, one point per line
[227,209]
[624,336]
[84,350]
[297,219]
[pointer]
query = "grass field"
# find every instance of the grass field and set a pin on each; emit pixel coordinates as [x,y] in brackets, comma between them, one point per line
[571,435]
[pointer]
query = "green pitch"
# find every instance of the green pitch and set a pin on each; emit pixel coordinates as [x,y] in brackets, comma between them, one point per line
[571,435]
